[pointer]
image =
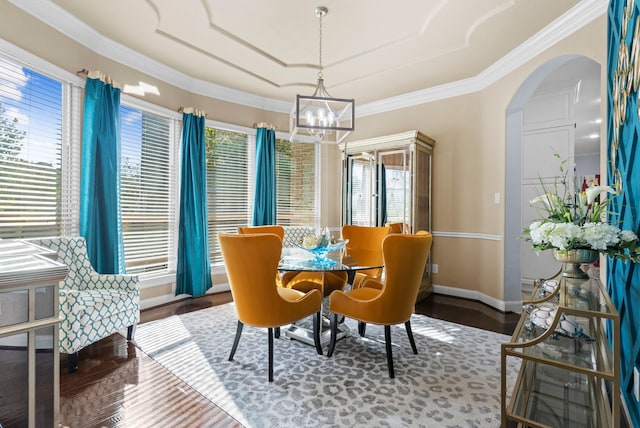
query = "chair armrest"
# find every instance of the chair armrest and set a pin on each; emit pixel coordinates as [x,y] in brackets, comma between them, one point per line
[119,281]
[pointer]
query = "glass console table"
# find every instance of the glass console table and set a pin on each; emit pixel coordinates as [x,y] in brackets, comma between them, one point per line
[568,345]
[29,358]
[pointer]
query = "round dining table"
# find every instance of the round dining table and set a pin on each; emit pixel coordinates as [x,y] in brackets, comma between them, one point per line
[299,259]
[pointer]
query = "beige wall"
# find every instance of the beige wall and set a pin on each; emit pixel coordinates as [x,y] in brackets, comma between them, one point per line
[469,165]
[469,155]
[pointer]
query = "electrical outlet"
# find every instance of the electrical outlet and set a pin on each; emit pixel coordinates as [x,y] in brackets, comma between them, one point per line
[434,268]
[496,198]
[636,383]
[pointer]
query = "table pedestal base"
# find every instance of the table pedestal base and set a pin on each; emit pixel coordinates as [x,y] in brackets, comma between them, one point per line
[306,336]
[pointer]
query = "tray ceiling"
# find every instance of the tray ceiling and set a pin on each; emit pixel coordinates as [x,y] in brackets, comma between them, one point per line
[372,49]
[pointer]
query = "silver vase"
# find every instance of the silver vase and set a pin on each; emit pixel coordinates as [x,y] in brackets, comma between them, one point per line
[572,259]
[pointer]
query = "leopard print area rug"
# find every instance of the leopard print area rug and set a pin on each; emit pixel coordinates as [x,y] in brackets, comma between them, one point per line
[453,381]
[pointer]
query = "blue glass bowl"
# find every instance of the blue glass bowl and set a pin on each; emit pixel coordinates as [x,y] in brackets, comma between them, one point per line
[320,251]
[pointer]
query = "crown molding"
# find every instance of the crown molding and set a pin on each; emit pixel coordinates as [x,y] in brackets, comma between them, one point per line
[51,14]
[58,18]
[565,25]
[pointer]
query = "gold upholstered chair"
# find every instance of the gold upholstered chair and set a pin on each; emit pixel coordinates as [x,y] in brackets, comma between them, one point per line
[301,281]
[251,262]
[398,227]
[391,302]
[365,246]
[275,229]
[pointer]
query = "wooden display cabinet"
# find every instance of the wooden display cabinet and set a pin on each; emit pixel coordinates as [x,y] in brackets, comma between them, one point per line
[388,180]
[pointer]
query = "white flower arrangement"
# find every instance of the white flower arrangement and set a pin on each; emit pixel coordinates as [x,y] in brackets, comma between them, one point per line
[575,222]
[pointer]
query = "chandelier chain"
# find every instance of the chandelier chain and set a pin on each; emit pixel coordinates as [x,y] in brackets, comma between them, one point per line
[320,48]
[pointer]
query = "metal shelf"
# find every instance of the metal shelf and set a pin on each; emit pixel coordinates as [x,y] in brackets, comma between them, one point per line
[564,376]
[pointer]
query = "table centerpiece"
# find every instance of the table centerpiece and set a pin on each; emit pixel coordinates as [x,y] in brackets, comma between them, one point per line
[321,244]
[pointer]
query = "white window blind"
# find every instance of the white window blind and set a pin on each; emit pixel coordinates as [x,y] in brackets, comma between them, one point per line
[296,174]
[227,185]
[146,183]
[31,150]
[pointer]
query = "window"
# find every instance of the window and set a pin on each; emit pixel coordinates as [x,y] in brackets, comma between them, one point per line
[40,141]
[31,152]
[230,178]
[228,174]
[296,183]
[146,196]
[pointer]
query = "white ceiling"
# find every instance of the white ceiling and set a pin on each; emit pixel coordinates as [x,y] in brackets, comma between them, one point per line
[373,50]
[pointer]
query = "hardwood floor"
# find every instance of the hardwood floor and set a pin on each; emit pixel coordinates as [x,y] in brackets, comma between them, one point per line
[117,385]
[468,312]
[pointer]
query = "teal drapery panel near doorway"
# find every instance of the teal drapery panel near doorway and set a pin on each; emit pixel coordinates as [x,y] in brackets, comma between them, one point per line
[264,206]
[193,272]
[623,141]
[100,217]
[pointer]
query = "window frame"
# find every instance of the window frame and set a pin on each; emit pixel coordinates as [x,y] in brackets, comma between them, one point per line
[72,106]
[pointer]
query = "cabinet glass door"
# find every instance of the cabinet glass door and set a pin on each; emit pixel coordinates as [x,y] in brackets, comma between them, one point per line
[395,187]
[361,197]
[379,188]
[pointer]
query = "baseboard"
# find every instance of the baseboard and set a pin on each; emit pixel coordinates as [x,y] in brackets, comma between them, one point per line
[501,305]
[168,298]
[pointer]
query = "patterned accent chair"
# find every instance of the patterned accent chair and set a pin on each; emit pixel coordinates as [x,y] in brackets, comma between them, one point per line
[295,234]
[92,305]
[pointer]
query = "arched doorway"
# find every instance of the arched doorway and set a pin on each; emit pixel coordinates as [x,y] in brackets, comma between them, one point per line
[569,69]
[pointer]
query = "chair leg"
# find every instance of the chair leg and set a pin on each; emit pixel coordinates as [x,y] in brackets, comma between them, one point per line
[131,331]
[334,334]
[236,340]
[276,332]
[72,362]
[317,326]
[362,328]
[270,354]
[407,326]
[387,341]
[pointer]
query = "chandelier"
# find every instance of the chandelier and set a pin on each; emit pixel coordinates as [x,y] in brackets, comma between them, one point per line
[325,118]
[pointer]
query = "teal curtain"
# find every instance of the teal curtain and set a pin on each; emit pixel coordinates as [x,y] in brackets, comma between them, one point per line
[264,206]
[100,219]
[193,274]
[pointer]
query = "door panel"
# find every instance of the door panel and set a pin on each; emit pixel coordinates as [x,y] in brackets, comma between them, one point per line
[540,169]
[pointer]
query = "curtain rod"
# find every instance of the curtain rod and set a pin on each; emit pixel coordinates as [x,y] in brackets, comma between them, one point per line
[192,110]
[265,125]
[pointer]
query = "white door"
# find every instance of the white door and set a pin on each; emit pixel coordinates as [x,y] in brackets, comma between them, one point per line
[548,129]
